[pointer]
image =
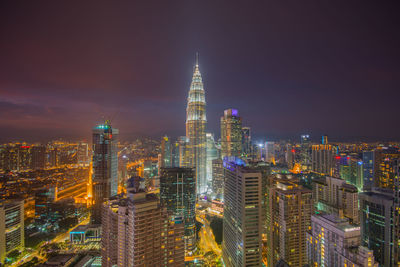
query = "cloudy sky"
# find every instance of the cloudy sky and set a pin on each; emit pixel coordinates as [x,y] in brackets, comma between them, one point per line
[289,67]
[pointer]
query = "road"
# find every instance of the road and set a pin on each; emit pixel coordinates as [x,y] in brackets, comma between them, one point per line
[207,239]
[59,238]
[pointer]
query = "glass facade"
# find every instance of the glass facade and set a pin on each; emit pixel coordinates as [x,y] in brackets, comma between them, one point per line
[105,167]
[231,134]
[178,194]
[196,129]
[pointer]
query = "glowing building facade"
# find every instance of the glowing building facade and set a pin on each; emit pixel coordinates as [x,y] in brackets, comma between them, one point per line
[231,134]
[105,167]
[196,129]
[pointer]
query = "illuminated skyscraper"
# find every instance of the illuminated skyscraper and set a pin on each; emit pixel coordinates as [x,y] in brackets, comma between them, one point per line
[212,154]
[11,227]
[377,229]
[246,141]
[289,218]
[231,134]
[178,194]
[137,231]
[322,159]
[166,159]
[196,128]
[242,223]
[105,167]
[269,151]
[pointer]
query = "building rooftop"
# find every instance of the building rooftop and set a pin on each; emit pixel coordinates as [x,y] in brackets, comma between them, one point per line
[337,222]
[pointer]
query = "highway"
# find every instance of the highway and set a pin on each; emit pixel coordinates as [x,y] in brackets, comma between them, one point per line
[207,239]
[59,238]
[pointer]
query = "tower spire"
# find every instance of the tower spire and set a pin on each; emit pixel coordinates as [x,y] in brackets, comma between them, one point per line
[197,59]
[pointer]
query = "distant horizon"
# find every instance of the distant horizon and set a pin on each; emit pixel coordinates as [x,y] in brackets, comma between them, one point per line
[256,139]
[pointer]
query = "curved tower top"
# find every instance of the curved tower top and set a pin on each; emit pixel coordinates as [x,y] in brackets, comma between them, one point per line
[196,99]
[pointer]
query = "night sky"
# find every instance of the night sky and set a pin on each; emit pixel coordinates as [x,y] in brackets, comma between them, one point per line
[289,67]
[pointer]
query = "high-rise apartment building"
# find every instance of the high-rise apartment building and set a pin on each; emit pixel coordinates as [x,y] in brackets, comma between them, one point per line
[322,159]
[38,157]
[196,121]
[138,231]
[290,209]
[335,196]
[105,167]
[11,227]
[351,169]
[178,194]
[15,157]
[231,134]
[377,228]
[386,163]
[332,241]
[242,223]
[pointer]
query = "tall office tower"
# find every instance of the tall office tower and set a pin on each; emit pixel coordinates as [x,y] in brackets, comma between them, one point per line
[305,152]
[269,151]
[386,162]
[183,151]
[178,194]
[218,178]
[11,227]
[376,208]
[242,223]
[166,153]
[334,195]
[332,241]
[246,142]
[105,167]
[196,121]
[324,140]
[368,159]
[231,134]
[322,159]
[38,157]
[212,154]
[137,231]
[290,207]
[83,153]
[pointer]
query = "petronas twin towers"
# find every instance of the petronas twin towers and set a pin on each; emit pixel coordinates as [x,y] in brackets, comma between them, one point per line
[196,121]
